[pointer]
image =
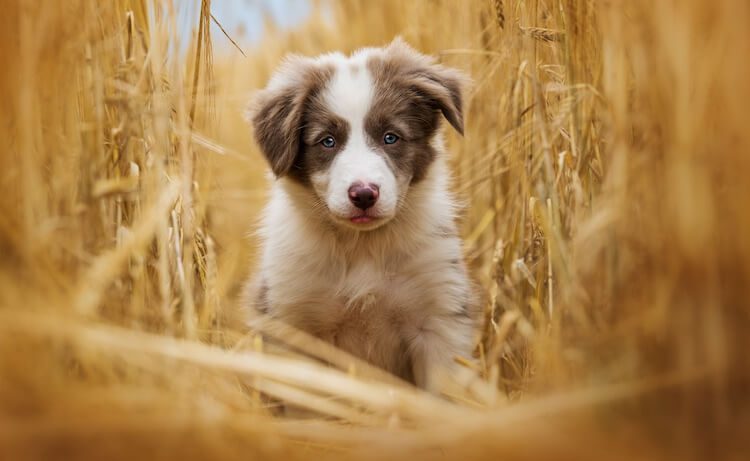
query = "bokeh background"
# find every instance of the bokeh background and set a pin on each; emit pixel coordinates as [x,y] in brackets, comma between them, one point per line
[604,174]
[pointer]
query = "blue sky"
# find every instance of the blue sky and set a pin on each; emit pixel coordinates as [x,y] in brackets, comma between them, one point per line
[244,15]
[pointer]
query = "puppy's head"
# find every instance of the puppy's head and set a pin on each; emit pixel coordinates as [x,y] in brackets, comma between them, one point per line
[358,131]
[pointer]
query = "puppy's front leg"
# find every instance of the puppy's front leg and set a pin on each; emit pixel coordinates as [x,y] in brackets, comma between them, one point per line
[434,347]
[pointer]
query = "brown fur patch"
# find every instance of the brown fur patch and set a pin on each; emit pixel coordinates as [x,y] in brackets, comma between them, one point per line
[278,114]
[410,93]
[319,122]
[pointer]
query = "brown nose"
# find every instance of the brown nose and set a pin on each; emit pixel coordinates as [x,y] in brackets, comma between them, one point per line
[364,196]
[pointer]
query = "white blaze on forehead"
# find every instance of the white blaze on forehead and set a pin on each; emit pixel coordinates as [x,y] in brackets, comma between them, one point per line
[349,94]
[350,91]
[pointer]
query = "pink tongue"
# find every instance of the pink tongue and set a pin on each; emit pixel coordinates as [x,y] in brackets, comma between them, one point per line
[361,219]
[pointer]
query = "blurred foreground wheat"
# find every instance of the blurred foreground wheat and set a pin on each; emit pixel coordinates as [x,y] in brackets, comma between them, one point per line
[604,170]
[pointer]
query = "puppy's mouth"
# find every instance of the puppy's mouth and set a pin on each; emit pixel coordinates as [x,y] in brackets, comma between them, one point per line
[363,220]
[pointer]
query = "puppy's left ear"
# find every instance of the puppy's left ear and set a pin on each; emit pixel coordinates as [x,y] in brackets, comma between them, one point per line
[440,86]
[443,86]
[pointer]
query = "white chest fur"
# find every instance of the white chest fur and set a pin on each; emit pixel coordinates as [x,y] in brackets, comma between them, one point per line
[397,297]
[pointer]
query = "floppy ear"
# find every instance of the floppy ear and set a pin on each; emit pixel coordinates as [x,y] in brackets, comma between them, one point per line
[441,86]
[277,112]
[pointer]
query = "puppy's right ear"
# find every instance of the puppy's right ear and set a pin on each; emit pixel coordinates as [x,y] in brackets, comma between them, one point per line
[277,112]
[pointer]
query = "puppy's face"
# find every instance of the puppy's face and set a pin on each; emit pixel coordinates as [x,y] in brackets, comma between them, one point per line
[356,132]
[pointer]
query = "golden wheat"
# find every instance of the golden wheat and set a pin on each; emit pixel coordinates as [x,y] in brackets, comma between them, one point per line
[604,170]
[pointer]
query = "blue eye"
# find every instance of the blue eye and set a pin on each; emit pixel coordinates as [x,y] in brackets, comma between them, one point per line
[390,138]
[328,142]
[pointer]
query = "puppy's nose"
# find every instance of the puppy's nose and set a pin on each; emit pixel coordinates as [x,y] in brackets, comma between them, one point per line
[364,196]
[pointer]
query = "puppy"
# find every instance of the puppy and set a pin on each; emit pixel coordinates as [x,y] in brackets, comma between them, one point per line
[359,240]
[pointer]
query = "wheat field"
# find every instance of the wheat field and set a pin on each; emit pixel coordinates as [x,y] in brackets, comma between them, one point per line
[604,172]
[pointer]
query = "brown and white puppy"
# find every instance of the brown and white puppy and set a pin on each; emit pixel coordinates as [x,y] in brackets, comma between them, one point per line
[360,245]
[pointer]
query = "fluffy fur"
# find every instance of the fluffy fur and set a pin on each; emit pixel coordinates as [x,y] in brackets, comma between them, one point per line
[387,284]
